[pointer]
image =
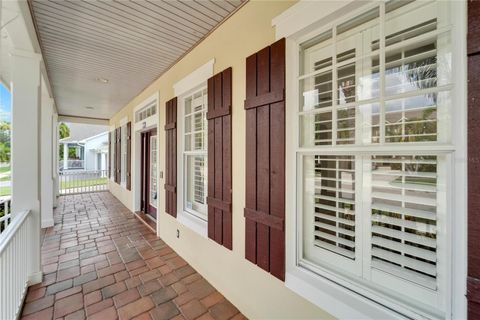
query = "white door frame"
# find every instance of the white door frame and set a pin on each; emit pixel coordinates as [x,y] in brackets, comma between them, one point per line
[147,124]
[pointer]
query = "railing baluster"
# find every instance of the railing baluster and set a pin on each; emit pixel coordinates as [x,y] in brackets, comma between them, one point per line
[15,238]
[83,181]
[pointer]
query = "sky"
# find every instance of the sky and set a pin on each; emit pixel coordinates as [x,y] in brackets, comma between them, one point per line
[5,104]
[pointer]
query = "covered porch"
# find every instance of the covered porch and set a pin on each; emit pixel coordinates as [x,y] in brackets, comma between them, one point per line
[266,159]
[100,262]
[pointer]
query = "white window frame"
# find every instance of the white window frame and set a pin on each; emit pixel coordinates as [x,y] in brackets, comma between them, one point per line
[123,152]
[112,153]
[183,88]
[333,294]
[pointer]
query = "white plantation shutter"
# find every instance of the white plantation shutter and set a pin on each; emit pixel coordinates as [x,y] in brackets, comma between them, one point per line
[195,151]
[199,180]
[334,225]
[403,217]
[374,114]
[333,115]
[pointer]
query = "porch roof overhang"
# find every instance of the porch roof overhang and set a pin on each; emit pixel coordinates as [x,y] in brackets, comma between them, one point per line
[101,54]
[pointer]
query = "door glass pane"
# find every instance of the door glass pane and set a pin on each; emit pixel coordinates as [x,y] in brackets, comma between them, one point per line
[153,171]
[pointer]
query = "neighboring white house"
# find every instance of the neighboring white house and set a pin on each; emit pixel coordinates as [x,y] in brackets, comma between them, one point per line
[91,148]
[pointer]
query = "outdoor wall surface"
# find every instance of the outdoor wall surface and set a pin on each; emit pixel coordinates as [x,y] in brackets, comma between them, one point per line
[256,293]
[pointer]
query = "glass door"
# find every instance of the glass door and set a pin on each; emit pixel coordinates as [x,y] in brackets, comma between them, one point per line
[149,183]
[153,173]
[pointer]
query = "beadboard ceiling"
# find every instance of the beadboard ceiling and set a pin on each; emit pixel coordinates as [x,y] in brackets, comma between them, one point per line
[101,53]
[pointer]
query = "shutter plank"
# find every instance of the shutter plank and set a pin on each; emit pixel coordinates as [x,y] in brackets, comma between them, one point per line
[211,157]
[171,157]
[118,156]
[251,161]
[473,49]
[227,180]
[277,160]
[129,156]
[227,156]
[109,164]
[218,177]
[265,157]
[220,158]
[263,184]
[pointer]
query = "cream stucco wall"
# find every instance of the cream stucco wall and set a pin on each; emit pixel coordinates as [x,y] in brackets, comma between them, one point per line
[256,293]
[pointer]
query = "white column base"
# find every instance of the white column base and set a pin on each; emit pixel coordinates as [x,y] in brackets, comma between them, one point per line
[35,278]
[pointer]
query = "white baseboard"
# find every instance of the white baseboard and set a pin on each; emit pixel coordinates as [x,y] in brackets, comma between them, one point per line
[35,278]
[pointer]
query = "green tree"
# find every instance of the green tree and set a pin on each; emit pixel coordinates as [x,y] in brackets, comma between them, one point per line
[4,152]
[63,130]
[4,126]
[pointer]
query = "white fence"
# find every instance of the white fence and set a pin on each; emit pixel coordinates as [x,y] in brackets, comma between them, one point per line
[16,241]
[72,182]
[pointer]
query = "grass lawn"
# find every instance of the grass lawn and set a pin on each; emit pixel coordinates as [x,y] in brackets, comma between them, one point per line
[4,169]
[5,191]
[82,183]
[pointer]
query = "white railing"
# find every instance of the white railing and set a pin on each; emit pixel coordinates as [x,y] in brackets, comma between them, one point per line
[16,245]
[83,181]
[5,213]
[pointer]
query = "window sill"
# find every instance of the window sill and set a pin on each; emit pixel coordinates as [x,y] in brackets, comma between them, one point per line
[195,224]
[335,299]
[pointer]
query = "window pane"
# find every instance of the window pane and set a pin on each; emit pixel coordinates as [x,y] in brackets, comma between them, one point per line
[316,129]
[195,122]
[317,91]
[411,119]
[188,105]
[330,195]
[416,57]
[195,137]
[403,220]
[196,184]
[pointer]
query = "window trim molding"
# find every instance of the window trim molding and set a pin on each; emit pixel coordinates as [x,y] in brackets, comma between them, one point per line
[191,83]
[194,79]
[304,15]
[324,292]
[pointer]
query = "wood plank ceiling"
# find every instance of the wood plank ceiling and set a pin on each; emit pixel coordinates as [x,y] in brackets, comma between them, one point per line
[102,53]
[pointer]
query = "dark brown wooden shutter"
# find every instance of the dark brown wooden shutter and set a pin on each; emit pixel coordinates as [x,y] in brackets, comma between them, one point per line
[171,158]
[220,158]
[473,280]
[109,164]
[265,159]
[128,168]
[118,155]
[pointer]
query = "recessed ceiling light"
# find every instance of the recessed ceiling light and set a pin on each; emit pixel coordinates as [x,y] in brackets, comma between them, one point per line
[102,80]
[88,107]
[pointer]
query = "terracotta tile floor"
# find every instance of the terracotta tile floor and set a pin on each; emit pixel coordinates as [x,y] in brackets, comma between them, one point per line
[100,262]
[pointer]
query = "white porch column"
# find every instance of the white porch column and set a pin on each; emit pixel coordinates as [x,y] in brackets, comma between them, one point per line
[65,156]
[25,152]
[55,157]
[47,150]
